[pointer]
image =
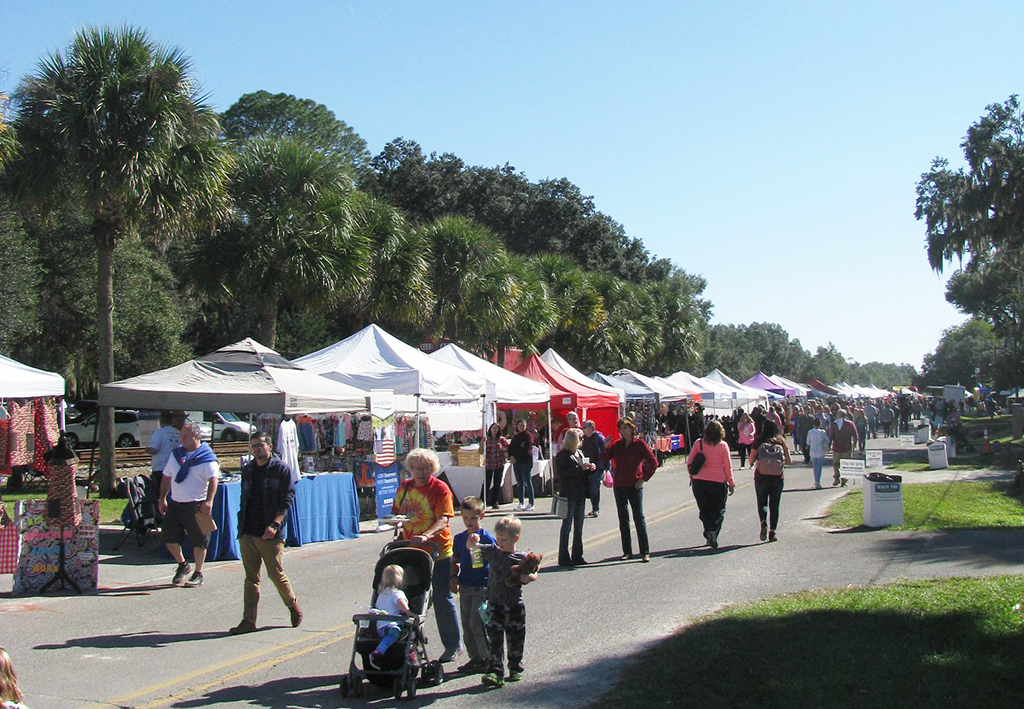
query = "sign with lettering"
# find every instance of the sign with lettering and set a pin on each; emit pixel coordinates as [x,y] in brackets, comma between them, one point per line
[40,547]
[873,459]
[386,488]
[907,441]
[851,466]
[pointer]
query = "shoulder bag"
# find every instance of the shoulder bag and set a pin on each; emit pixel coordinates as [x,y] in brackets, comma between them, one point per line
[698,461]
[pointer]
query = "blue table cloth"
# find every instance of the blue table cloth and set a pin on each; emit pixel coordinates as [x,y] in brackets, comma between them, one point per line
[326,508]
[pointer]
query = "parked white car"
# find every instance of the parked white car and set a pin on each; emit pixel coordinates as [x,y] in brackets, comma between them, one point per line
[126,429]
[221,426]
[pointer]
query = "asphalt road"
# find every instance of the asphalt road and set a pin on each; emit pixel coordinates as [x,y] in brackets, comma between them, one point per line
[142,643]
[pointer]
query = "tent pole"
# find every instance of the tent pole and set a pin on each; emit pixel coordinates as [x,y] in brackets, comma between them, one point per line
[416,444]
[551,443]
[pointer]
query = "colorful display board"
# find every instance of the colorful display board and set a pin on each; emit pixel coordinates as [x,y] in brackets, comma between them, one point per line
[39,558]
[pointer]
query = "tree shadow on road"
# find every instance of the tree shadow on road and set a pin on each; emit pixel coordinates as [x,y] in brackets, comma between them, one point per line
[127,640]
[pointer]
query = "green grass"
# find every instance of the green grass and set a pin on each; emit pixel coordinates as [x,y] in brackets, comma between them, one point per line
[952,505]
[110,508]
[973,463]
[937,643]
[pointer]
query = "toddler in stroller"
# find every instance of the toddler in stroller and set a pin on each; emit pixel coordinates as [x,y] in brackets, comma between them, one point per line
[390,639]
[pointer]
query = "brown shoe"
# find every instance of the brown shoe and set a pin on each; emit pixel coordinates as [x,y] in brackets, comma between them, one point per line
[296,614]
[246,626]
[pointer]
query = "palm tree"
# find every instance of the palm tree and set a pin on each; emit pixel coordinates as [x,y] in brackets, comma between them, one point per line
[290,235]
[396,289]
[579,308]
[117,123]
[6,134]
[533,311]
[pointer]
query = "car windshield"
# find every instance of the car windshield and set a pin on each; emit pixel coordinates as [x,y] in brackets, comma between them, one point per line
[228,416]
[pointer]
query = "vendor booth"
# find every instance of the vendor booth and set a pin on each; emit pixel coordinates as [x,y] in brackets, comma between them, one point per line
[508,392]
[558,362]
[641,401]
[602,407]
[247,377]
[765,383]
[748,397]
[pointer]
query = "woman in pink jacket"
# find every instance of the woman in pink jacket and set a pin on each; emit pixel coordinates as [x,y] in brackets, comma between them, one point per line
[745,433]
[713,483]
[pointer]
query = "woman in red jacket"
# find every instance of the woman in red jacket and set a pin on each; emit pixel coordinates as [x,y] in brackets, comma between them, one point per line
[713,483]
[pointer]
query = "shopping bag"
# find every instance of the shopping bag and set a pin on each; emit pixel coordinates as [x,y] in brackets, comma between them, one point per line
[559,506]
[609,481]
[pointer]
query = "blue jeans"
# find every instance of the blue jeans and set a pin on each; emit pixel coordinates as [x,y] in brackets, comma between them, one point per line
[388,633]
[818,464]
[594,490]
[444,606]
[634,498]
[577,511]
[524,479]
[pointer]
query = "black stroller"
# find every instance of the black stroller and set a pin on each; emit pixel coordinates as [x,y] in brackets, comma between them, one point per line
[407,658]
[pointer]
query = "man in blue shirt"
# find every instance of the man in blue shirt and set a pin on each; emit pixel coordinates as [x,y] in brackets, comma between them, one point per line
[593,445]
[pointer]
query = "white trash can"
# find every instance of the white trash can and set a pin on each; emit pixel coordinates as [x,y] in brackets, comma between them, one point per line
[938,457]
[923,433]
[883,500]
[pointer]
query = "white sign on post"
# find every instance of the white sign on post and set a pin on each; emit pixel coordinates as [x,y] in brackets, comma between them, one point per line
[851,466]
[873,459]
[907,441]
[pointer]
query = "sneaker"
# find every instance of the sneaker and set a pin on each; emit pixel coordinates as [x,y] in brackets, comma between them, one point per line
[519,507]
[514,675]
[374,659]
[449,656]
[528,508]
[195,580]
[296,615]
[591,514]
[184,569]
[713,540]
[764,531]
[646,558]
[817,486]
[626,557]
[473,666]
[771,536]
[244,627]
[492,680]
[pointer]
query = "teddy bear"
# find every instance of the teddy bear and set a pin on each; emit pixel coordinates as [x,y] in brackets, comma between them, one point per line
[525,567]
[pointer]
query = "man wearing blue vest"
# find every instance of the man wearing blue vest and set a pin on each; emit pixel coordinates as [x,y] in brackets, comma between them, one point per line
[190,477]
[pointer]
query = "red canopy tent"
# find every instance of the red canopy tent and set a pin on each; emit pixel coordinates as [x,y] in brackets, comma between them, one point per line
[601,407]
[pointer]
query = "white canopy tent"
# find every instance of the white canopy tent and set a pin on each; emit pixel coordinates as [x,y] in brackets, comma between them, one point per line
[374,359]
[245,377]
[510,388]
[666,392]
[745,396]
[559,363]
[721,397]
[20,381]
[801,389]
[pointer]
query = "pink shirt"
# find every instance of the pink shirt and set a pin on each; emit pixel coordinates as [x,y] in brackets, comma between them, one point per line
[717,464]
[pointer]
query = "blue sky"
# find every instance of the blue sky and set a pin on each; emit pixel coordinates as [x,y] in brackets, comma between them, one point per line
[772,147]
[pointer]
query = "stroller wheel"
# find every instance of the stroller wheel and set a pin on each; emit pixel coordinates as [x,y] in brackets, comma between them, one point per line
[399,685]
[345,686]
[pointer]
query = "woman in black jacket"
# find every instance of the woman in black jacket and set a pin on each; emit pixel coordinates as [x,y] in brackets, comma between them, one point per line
[571,477]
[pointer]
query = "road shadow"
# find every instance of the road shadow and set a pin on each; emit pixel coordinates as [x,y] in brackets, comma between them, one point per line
[128,640]
[323,693]
[130,553]
[974,548]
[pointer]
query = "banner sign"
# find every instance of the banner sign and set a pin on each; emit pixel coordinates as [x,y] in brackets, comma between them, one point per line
[386,488]
[873,459]
[851,466]
[40,547]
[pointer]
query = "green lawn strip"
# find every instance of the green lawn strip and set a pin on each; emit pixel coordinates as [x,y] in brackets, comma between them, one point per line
[935,643]
[972,463]
[930,506]
[110,507]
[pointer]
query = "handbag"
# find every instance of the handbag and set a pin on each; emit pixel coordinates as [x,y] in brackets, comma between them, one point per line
[559,506]
[609,480]
[698,461]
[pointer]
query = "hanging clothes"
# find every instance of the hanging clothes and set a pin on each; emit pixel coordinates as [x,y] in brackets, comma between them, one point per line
[288,446]
[47,433]
[343,424]
[307,434]
[22,425]
[62,488]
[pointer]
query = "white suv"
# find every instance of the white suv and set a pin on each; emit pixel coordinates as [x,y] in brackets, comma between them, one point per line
[126,429]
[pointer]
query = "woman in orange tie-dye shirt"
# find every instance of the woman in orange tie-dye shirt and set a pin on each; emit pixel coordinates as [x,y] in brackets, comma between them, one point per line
[426,502]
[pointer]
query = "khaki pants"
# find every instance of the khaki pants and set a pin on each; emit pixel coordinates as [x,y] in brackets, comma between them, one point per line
[269,552]
[837,456]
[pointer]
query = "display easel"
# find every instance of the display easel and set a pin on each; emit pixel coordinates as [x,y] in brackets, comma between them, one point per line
[54,512]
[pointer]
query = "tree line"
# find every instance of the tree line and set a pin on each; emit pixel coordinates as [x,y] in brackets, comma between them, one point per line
[129,206]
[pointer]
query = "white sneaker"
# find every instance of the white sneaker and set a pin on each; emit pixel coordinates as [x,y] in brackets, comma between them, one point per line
[519,507]
[528,508]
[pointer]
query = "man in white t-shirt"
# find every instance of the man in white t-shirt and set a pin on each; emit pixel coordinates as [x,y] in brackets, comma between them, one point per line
[190,477]
[164,440]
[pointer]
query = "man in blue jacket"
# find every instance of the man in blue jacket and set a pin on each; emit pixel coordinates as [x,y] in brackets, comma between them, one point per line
[593,448]
[267,493]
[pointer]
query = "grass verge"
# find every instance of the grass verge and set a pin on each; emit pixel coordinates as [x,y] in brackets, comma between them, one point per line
[988,460]
[951,505]
[110,507]
[937,643]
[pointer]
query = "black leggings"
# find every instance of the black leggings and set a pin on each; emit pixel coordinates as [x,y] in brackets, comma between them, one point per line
[744,451]
[493,487]
[769,494]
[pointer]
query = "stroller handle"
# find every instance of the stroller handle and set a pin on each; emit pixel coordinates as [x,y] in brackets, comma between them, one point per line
[403,543]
